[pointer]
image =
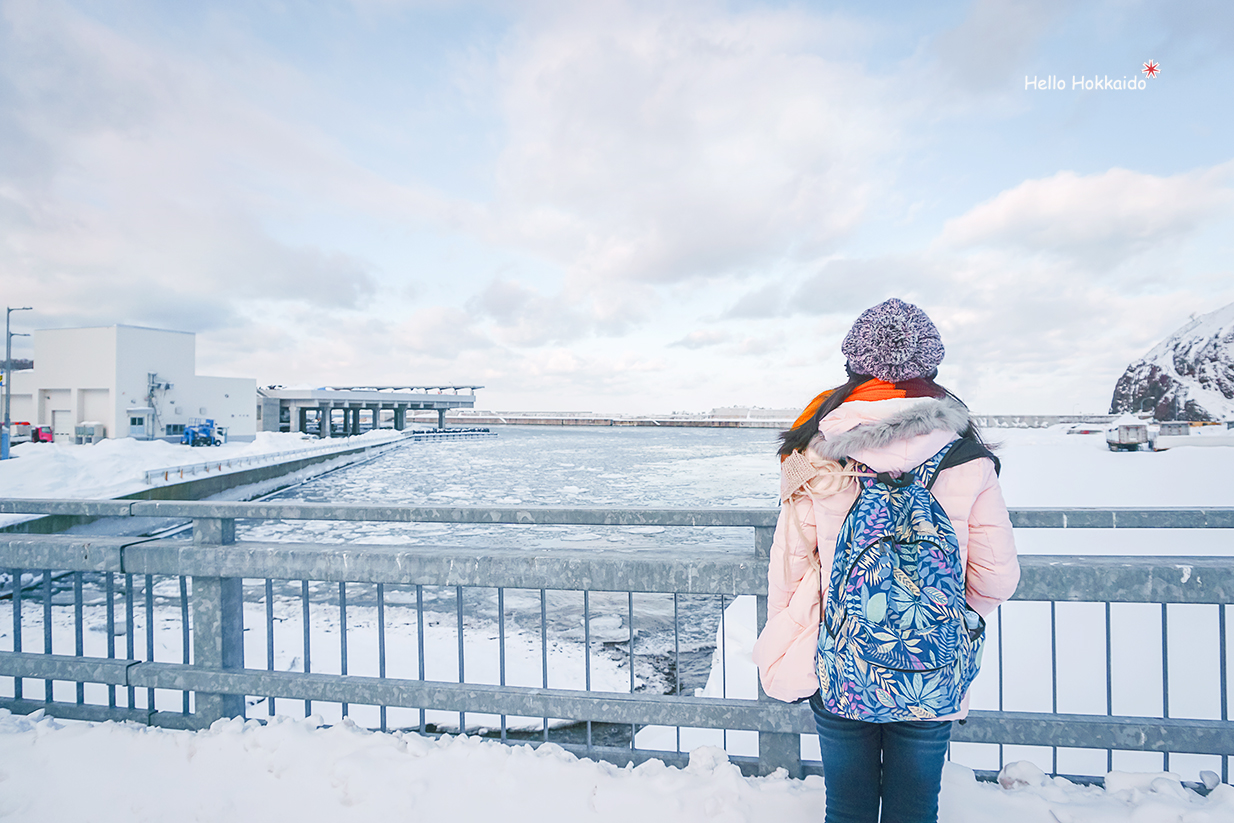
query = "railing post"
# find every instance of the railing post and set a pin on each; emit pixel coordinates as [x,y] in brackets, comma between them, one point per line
[218,623]
[763,536]
[776,750]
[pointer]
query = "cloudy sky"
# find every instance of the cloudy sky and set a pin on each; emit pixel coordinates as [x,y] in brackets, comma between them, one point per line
[621,206]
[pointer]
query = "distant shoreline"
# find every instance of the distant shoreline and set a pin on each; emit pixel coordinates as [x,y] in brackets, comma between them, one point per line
[755,419]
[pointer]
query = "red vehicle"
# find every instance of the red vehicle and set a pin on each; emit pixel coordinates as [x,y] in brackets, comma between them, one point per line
[41,434]
[23,432]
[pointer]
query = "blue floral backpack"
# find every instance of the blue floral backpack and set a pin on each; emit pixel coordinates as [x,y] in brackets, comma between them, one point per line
[898,641]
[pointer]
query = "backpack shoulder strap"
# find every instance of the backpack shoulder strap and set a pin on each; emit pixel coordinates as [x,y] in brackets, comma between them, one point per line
[962,450]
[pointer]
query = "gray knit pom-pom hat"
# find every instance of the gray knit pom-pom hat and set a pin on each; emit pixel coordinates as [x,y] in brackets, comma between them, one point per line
[893,341]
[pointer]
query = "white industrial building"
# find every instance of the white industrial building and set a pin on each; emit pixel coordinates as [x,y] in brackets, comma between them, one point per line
[137,382]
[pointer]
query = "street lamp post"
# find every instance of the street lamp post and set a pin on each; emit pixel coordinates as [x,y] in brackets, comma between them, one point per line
[5,435]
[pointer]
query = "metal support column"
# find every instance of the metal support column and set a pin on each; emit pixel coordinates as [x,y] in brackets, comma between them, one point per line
[375,409]
[400,416]
[323,417]
[441,418]
[6,430]
[218,623]
[301,418]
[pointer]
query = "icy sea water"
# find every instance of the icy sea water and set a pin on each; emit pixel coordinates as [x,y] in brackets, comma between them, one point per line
[552,466]
[583,467]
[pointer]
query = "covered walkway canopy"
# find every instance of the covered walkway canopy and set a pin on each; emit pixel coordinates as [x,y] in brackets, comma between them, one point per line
[312,411]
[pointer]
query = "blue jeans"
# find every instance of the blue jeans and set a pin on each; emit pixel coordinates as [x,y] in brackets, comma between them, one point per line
[897,764]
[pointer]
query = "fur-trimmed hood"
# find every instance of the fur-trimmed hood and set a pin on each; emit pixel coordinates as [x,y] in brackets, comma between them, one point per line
[891,433]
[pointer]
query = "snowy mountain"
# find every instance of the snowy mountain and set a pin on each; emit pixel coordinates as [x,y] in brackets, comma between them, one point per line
[1187,376]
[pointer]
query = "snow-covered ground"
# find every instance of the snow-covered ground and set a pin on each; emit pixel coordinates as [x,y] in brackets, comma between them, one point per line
[116,467]
[292,768]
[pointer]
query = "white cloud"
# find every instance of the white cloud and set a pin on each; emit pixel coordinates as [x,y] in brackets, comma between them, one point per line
[641,206]
[1040,334]
[152,186]
[523,316]
[439,332]
[702,338]
[1100,219]
[658,144]
[994,40]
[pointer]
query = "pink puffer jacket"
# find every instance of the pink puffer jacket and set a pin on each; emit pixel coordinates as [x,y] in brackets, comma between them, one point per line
[887,435]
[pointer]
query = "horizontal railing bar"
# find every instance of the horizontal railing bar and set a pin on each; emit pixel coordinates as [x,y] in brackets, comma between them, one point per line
[621,756]
[89,508]
[100,714]
[65,667]
[525,515]
[1152,734]
[1164,517]
[1013,728]
[612,707]
[63,552]
[77,711]
[1216,517]
[1126,579]
[646,570]
[1091,579]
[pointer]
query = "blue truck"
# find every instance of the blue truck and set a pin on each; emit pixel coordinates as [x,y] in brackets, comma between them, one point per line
[202,432]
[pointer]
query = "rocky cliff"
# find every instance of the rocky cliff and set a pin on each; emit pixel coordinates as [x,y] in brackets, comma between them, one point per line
[1187,376]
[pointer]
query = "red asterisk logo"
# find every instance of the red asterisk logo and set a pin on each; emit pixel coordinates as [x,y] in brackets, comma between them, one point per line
[1151,68]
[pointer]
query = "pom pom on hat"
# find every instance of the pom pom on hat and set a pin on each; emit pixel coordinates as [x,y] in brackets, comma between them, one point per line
[893,341]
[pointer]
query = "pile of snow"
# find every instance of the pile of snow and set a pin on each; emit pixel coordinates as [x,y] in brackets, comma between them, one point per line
[116,467]
[1188,376]
[1047,467]
[296,770]
[1125,419]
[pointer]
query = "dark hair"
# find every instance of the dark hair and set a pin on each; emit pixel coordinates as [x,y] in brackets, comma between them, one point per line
[798,437]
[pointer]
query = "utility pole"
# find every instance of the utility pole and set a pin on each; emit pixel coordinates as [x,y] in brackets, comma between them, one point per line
[5,433]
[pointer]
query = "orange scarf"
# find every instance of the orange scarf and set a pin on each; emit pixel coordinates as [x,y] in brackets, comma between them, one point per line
[874,389]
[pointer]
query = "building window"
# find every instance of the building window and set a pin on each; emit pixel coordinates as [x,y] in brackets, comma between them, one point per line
[174,428]
[137,421]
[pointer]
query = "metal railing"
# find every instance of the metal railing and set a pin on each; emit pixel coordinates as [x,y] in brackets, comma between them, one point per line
[174,474]
[192,600]
[430,435]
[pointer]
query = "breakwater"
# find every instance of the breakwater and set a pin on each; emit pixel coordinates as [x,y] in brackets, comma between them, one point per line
[489,418]
[757,419]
